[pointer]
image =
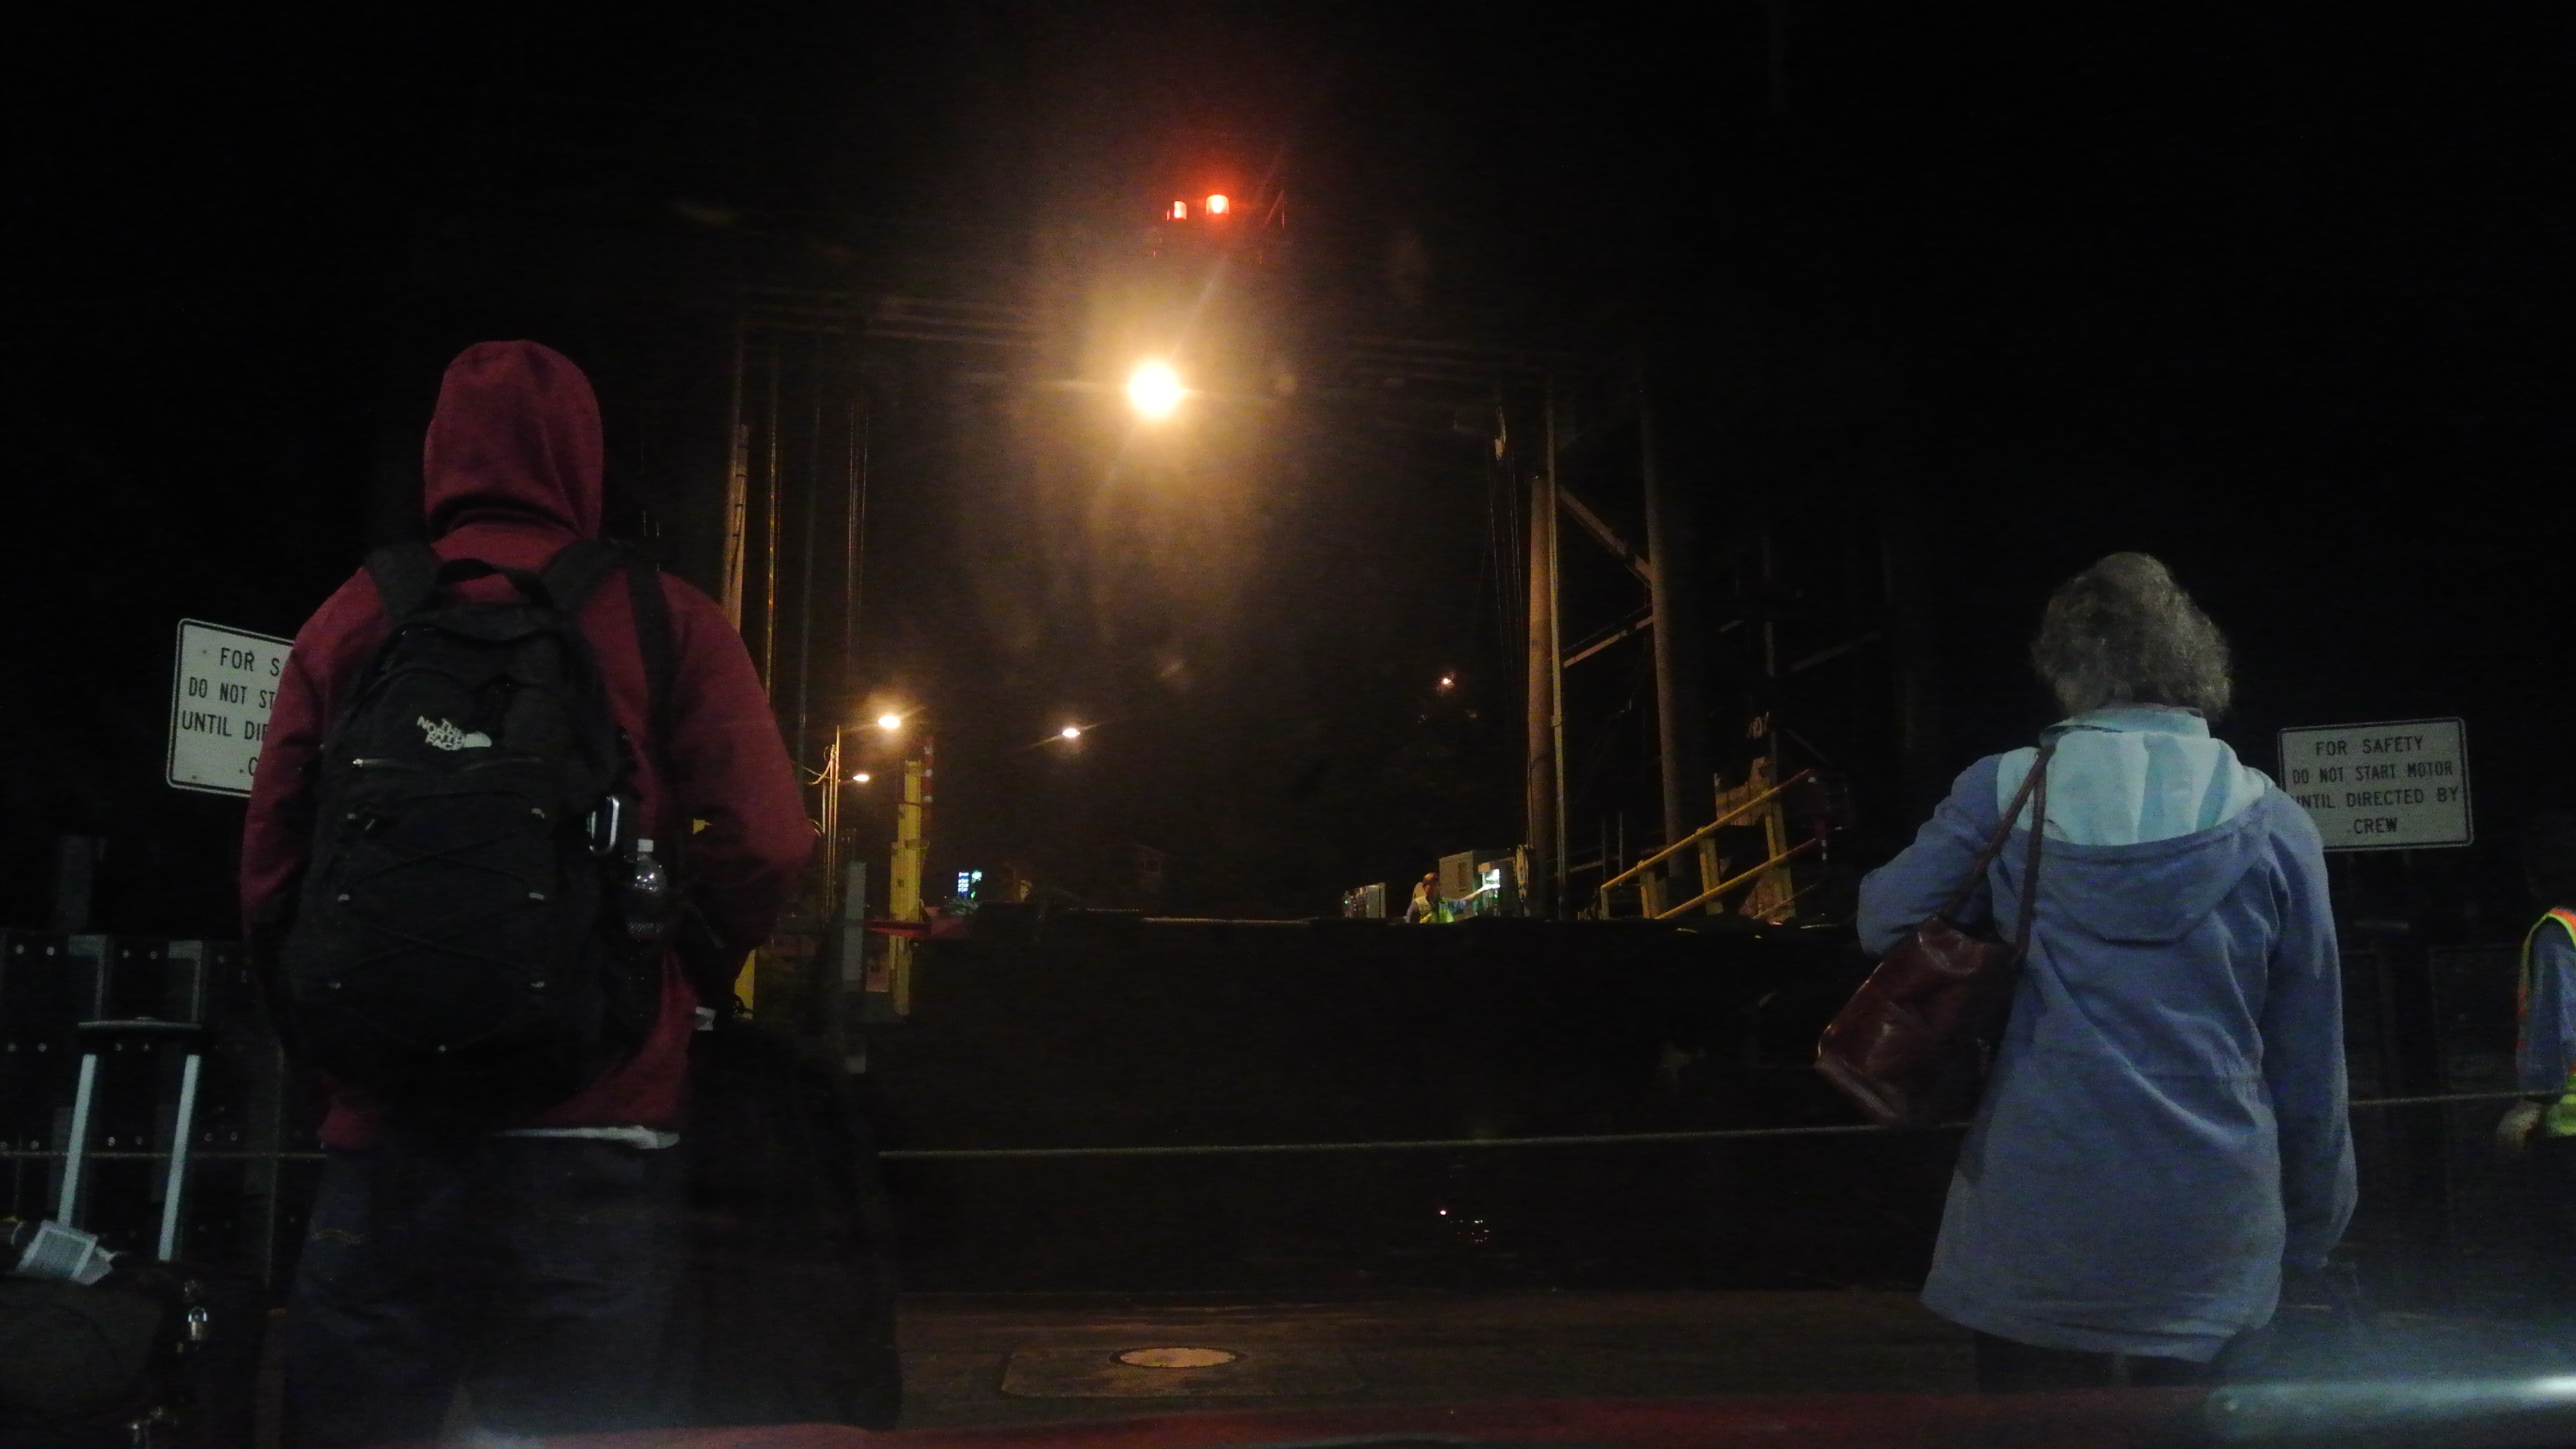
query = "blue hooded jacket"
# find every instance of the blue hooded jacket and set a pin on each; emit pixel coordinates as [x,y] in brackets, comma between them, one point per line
[2165,1127]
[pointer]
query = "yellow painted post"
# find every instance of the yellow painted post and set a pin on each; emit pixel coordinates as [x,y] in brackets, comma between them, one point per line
[903,877]
[1730,798]
[1772,896]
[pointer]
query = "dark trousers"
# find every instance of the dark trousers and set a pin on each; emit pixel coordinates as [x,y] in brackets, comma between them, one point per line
[2552,1180]
[536,1271]
[2006,1366]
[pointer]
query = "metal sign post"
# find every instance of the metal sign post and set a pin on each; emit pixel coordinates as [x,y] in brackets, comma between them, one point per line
[2396,785]
[222,682]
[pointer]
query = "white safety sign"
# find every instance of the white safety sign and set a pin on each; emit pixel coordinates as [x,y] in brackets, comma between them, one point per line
[221,685]
[2398,785]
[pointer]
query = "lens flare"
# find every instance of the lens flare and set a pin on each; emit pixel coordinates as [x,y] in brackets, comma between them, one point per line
[1154,389]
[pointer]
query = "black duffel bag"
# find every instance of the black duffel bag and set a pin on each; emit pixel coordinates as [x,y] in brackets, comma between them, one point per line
[154,1354]
[789,1308]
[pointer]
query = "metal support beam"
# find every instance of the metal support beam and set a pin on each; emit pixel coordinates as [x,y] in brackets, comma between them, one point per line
[1608,537]
[1830,654]
[1561,890]
[1680,750]
[1608,637]
[1539,785]
[769,548]
[737,495]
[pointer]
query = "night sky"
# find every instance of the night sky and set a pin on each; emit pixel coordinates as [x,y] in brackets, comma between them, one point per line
[2283,299]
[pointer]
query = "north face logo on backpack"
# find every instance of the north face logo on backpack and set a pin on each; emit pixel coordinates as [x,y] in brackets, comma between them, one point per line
[442,735]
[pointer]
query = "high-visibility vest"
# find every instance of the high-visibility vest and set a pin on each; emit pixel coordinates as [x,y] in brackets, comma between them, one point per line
[2560,1120]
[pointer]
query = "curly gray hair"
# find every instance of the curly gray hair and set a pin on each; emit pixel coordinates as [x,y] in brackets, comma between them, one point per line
[2123,632]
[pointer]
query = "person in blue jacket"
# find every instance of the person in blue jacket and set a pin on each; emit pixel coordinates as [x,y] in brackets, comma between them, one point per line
[2163,1134]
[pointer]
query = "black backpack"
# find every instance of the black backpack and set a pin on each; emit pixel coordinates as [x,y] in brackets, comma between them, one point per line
[460,948]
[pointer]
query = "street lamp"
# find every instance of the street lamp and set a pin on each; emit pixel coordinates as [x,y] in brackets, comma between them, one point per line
[861,778]
[889,722]
[1154,389]
[1070,732]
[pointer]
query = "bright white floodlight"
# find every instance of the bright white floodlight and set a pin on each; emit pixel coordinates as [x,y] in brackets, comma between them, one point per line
[1071,732]
[889,721]
[1154,389]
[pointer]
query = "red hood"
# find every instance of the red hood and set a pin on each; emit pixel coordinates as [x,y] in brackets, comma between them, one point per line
[515,439]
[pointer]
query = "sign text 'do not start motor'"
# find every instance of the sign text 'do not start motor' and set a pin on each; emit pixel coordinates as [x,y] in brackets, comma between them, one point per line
[222,683]
[2396,785]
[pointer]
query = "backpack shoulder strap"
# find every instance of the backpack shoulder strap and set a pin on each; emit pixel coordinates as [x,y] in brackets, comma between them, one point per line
[705,960]
[661,648]
[572,573]
[405,576]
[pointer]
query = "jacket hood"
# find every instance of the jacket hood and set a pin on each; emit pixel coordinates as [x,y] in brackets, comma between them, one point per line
[515,439]
[2157,892]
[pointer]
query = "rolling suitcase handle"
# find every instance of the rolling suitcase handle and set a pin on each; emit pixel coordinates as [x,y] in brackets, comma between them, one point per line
[85,1100]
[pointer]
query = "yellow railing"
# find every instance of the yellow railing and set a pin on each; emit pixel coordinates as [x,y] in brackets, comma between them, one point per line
[1601,897]
[1722,887]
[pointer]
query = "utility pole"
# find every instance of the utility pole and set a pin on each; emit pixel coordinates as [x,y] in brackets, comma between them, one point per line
[1671,547]
[1542,777]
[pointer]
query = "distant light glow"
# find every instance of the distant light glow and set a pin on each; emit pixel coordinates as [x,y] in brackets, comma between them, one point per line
[1180,211]
[1178,1357]
[1448,680]
[1218,205]
[860,778]
[889,721]
[1154,389]
[1071,732]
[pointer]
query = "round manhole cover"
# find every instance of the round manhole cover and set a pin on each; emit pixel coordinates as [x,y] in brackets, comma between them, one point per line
[1177,1358]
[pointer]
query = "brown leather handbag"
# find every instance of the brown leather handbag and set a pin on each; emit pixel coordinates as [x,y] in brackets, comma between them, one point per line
[1912,1046]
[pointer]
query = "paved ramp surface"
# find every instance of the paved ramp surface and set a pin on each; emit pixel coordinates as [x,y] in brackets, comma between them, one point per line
[998,1360]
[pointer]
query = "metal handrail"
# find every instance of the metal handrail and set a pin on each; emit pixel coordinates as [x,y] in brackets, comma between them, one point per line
[1696,836]
[1722,887]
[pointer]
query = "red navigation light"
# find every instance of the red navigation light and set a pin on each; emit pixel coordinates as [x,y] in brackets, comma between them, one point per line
[1180,211]
[1217,205]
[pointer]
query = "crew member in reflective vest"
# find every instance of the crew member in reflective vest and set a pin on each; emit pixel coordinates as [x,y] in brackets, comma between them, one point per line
[2544,1046]
[1427,907]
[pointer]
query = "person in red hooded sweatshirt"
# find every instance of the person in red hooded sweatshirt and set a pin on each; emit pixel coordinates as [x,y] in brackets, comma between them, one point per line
[536,1265]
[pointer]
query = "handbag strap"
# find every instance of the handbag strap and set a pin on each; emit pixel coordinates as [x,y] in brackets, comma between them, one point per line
[2036,780]
[2030,861]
